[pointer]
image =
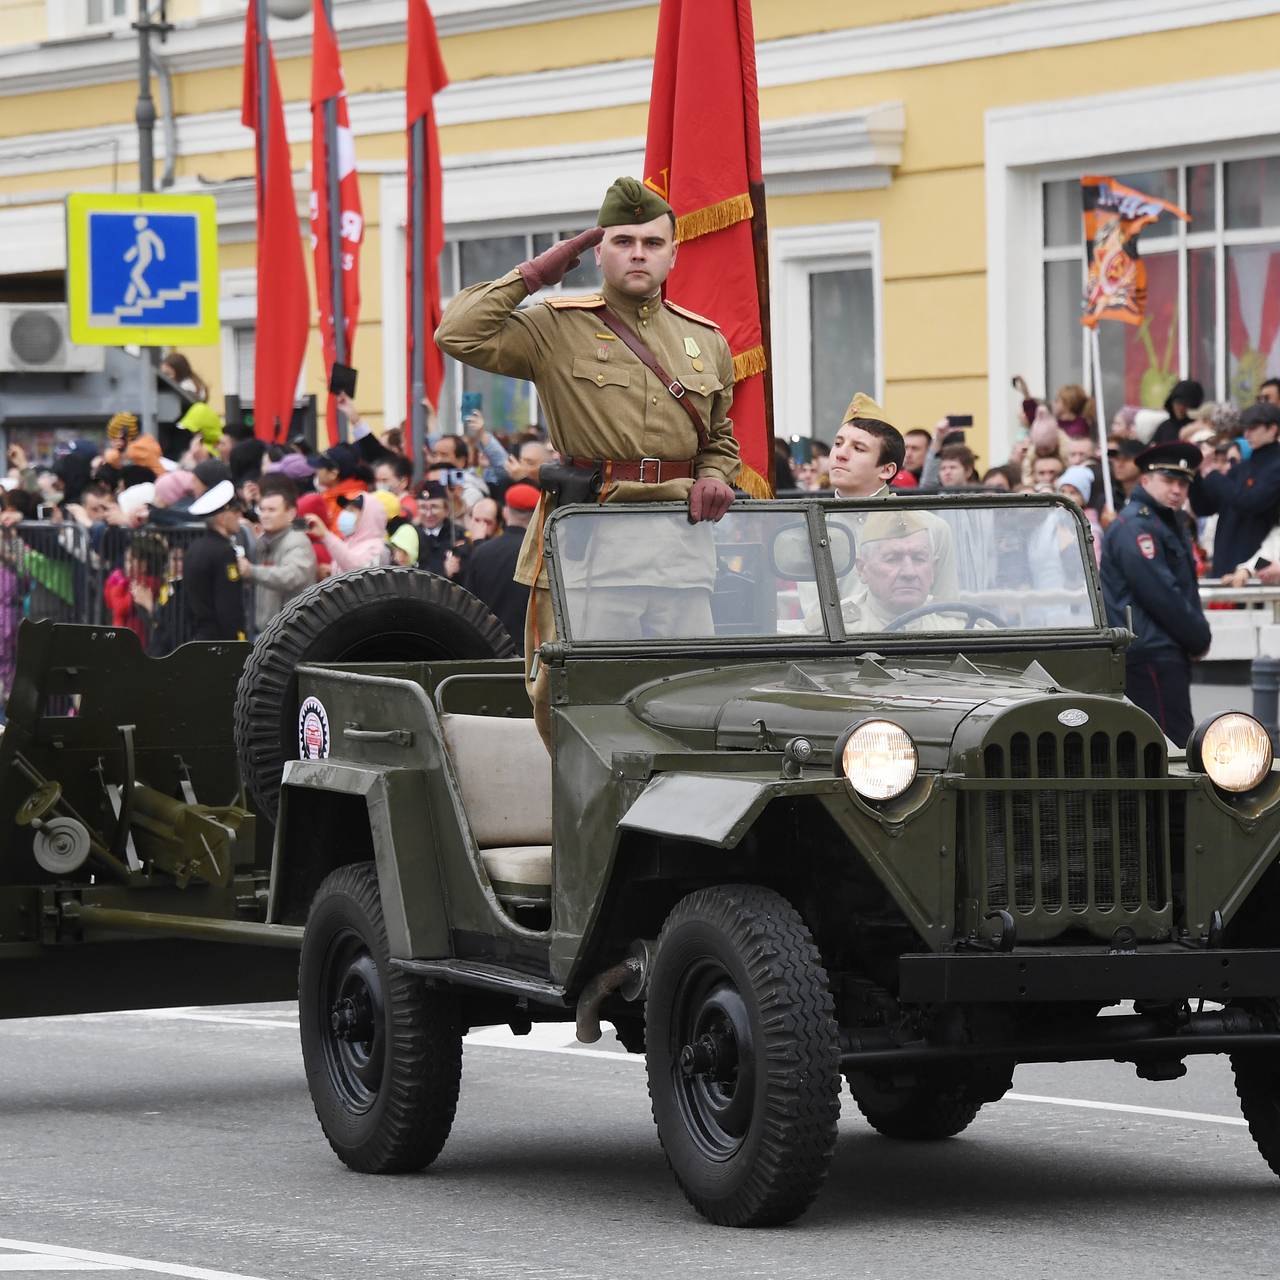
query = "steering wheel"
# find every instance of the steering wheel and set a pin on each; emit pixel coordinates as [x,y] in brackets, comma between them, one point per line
[972,611]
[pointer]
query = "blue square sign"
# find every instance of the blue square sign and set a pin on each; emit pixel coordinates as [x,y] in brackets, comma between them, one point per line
[142,269]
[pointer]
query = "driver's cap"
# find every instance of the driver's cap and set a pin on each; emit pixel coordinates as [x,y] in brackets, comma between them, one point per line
[885,526]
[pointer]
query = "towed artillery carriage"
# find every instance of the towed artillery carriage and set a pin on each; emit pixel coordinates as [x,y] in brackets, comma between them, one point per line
[837,790]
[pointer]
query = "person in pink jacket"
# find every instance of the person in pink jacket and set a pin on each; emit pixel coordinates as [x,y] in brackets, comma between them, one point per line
[365,545]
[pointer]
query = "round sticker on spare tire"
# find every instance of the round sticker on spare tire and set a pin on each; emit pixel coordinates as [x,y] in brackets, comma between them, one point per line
[313,730]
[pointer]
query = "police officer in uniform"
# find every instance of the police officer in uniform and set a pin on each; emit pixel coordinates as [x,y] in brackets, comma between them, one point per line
[1147,565]
[607,410]
[212,588]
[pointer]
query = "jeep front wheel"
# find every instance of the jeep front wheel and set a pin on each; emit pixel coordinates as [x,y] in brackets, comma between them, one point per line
[742,1056]
[383,1053]
[1258,1088]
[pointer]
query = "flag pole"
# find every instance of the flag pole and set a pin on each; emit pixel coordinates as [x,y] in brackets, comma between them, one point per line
[1100,411]
[418,373]
[263,71]
[760,243]
[337,284]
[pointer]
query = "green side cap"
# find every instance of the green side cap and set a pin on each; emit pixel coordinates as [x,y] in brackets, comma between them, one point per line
[628,202]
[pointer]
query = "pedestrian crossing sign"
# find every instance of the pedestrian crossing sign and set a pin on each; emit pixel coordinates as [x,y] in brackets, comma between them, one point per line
[142,270]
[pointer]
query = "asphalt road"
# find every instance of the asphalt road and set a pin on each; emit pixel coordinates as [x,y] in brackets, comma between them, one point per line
[183,1143]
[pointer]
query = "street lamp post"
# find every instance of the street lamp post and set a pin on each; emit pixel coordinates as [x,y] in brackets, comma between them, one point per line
[145,116]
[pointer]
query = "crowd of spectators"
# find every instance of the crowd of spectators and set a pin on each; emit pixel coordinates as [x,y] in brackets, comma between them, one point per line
[289,517]
[1232,513]
[212,542]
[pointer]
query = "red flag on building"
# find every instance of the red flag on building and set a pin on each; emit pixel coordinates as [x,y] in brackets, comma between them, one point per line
[425,76]
[281,337]
[704,87]
[326,86]
[1114,214]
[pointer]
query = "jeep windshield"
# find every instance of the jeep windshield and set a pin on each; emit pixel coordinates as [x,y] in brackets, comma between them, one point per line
[811,570]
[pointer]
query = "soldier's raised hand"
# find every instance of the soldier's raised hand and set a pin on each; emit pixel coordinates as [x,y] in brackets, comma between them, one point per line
[551,266]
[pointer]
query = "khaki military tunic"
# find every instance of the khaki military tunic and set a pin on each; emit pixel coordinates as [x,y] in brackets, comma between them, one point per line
[599,399]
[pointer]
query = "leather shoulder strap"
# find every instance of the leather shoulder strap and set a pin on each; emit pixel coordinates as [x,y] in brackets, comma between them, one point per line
[646,357]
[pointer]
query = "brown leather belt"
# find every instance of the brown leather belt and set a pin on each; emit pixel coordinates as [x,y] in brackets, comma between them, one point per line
[643,471]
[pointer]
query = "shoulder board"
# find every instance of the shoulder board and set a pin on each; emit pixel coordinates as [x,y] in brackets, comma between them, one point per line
[689,315]
[579,303]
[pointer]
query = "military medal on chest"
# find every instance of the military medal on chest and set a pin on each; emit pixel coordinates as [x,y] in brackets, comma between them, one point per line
[694,353]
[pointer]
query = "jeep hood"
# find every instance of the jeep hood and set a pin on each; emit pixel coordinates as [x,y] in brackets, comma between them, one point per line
[761,706]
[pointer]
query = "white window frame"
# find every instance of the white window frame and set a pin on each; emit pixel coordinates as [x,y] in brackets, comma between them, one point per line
[797,254]
[1224,118]
[69,18]
[395,323]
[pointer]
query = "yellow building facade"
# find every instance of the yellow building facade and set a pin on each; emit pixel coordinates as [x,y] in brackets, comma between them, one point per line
[921,157]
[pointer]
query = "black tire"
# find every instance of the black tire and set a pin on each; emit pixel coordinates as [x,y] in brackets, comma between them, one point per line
[1258,1088]
[368,615]
[383,1080]
[927,1112]
[748,1129]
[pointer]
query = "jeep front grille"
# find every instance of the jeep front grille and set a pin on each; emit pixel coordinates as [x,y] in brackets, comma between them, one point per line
[1068,846]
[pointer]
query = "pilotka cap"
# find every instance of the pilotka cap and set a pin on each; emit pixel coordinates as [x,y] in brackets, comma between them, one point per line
[628,202]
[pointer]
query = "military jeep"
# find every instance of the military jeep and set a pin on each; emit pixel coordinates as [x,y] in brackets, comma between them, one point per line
[837,789]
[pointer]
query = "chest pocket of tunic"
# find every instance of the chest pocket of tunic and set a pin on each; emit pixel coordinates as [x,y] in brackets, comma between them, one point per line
[702,387]
[601,373]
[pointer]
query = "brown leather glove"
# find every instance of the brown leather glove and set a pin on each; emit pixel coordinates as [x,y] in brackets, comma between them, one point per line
[552,266]
[709,499]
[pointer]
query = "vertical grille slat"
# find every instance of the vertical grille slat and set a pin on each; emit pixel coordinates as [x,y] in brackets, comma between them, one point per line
[1064,851]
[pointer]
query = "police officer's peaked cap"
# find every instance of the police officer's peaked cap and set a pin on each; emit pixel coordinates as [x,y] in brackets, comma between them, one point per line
[1261,414]
[630,203]
[214,500]
[1177,459]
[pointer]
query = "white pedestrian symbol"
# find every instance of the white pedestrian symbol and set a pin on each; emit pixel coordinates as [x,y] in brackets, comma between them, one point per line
[146,246]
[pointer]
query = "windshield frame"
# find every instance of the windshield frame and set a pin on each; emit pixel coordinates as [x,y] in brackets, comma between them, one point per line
[834,639]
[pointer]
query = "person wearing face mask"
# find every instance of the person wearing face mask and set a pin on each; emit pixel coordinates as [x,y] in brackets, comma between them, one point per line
[362,526]
[336,479]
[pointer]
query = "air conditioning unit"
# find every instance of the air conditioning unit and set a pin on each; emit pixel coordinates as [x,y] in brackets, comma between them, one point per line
[34,339]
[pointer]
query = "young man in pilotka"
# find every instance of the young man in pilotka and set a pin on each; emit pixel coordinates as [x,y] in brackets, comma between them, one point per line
[609,411]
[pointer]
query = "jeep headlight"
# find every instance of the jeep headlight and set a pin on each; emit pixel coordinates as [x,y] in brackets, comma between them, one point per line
[879,759]
[1234,750]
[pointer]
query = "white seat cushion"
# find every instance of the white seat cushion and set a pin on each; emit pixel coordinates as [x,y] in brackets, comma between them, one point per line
[521,866]
[504,772]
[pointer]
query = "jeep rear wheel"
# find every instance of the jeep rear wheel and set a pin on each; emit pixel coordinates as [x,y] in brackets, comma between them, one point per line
[383,1053]
[742,1056]
[925,1112]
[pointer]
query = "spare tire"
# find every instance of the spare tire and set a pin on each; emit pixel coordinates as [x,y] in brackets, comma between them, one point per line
[368,615]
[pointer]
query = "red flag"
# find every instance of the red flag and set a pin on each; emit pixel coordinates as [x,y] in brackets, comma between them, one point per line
[425,76]
[704,86]
[281,338]
[326,85]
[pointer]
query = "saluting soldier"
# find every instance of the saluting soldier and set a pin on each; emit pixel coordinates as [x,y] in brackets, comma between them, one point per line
[636,391]
[1147,564]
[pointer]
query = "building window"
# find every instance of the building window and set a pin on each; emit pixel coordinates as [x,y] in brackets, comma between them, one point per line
[509,405]
[1213,285]
[825,287]
[104,13]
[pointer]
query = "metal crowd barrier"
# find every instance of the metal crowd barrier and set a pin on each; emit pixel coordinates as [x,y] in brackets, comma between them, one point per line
[105,576]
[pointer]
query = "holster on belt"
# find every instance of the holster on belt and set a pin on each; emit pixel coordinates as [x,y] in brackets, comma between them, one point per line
[566,485]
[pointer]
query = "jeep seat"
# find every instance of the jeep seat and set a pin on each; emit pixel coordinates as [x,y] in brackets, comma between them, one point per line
[504,774]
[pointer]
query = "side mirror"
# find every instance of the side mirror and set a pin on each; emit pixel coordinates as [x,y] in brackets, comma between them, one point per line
[791,553]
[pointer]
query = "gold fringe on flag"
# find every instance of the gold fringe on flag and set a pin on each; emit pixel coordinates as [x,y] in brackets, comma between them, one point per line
[750,481]
[714,217]
[747,364]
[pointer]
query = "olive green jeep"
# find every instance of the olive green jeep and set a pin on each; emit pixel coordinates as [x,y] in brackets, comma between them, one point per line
[837,789]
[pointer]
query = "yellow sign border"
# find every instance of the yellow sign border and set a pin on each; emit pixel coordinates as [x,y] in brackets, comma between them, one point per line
[79,206]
